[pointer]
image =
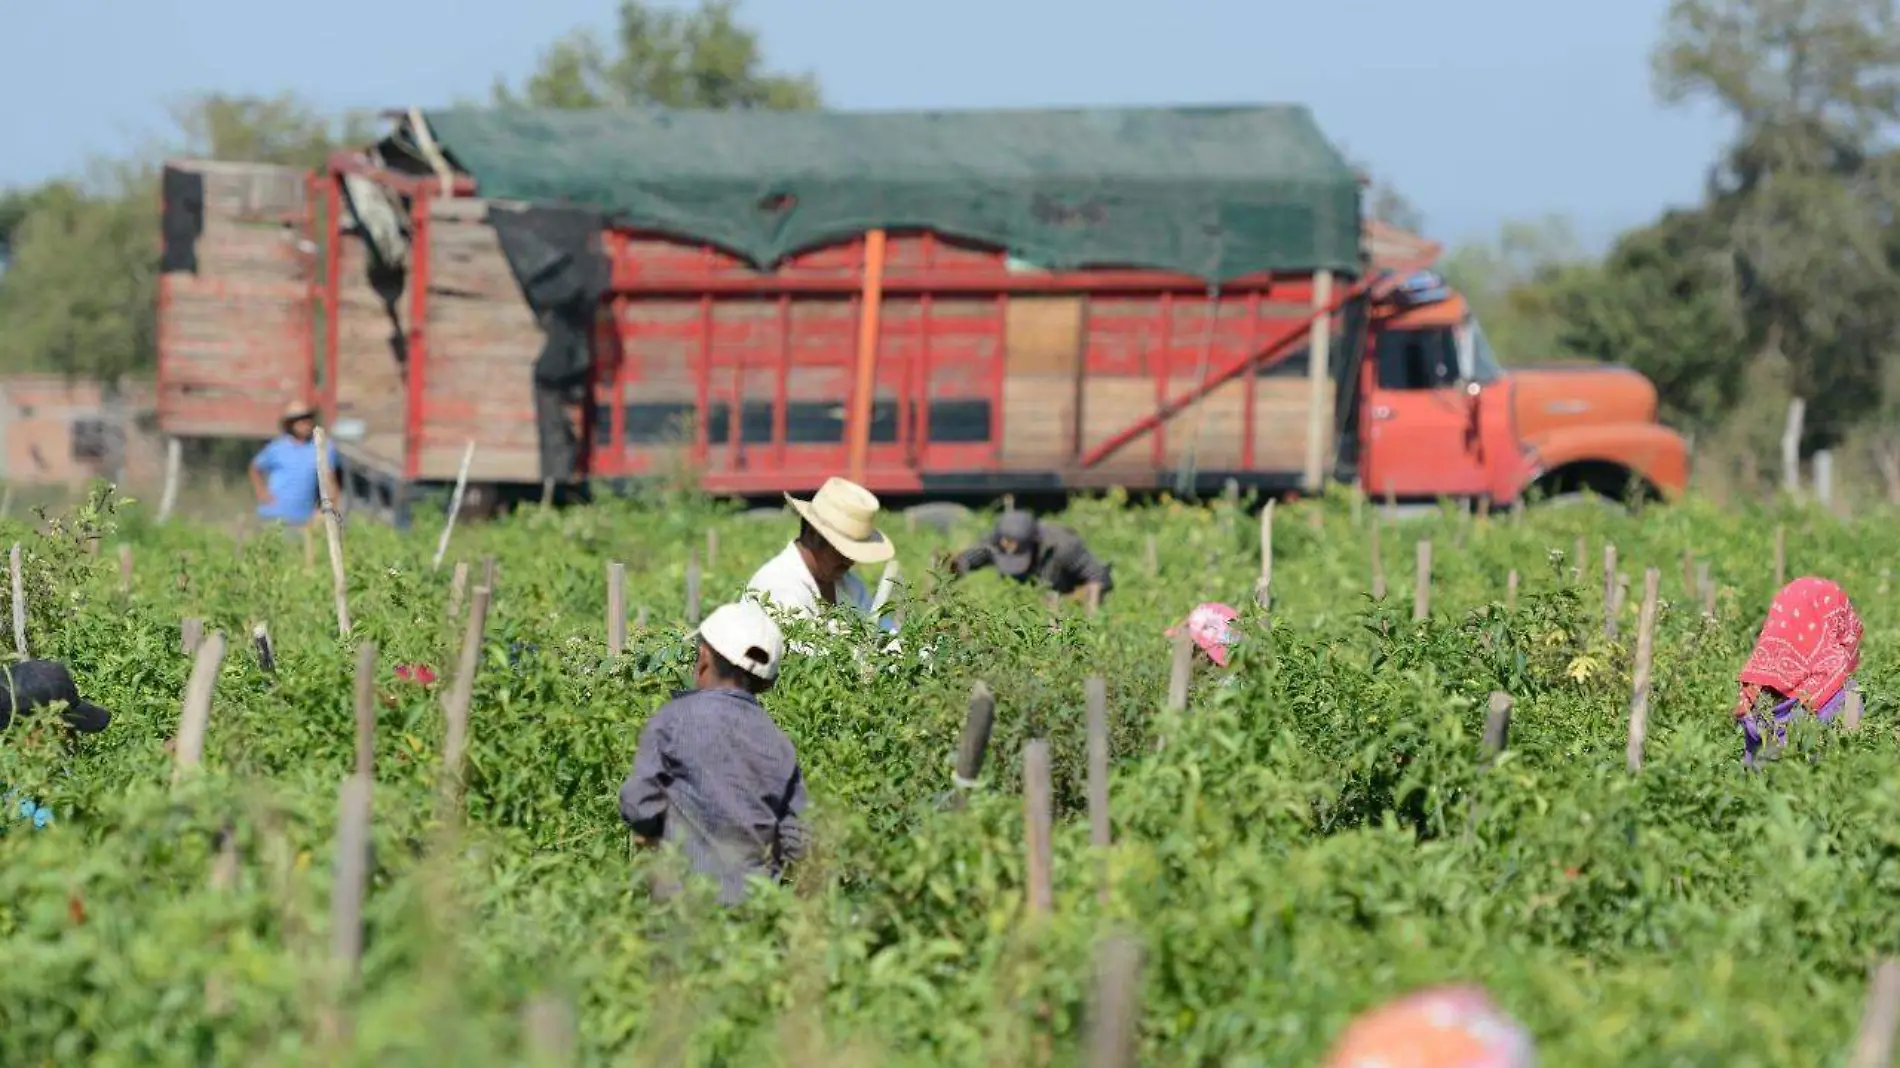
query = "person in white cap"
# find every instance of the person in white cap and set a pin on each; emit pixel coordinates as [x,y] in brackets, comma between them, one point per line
[713,774]
[284,472]
[837,530]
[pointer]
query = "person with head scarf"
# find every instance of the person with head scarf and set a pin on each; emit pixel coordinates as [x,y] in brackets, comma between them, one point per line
[1444,1027]
[1210,626]
[1804,660]
[1026,549]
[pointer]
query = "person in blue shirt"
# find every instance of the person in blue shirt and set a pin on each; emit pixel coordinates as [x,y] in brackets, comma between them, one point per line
[284,474]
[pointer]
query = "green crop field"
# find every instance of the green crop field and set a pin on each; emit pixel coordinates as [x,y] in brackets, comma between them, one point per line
[1314,838]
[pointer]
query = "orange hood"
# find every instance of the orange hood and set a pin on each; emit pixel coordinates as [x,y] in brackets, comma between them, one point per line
[1561,397]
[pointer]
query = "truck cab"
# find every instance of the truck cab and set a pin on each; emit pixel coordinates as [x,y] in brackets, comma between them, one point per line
[1441,417]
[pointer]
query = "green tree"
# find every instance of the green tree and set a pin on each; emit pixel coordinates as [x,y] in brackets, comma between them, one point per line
[1801,201]
[703,58]
[1506,279]
[281,129]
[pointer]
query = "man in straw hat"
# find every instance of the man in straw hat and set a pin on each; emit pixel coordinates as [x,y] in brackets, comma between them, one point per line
[713,774]
[284,474]
[837,530]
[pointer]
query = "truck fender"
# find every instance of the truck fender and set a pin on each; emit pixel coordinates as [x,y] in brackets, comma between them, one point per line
[1602,459]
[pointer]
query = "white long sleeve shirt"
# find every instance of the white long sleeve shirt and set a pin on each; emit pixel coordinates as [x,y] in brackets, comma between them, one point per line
[785,583]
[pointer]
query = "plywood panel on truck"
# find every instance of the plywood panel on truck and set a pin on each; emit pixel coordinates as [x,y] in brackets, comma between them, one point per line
[234,298]
[480,346]
[1042,352]
[370,331]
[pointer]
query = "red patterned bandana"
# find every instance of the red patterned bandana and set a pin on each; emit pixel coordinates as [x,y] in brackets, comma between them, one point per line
[1808,647]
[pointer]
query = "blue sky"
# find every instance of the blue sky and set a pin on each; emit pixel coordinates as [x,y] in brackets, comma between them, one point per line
[1481,111]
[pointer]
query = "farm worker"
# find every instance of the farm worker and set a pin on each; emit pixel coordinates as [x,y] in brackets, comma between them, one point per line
[1805,658]
[713,774]
[1444,1027]
[1211,628]
[837,529]
[284,474]
[27,687]
[1026,549]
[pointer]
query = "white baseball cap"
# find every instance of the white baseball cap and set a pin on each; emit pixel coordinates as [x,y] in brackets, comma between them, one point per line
[746,636]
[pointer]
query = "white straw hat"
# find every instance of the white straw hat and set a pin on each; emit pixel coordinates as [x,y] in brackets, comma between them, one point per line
[846,513]
[746,637]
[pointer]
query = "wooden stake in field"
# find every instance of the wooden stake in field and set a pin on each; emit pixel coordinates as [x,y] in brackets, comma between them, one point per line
[1117,1003]
[1038,815]
[1873,1046]
[1497,725]
[1706,583]
[125,570]
[462,691]
[1263,589]
[350,878]
[1378,564]
[458,589]
[18,574]
[365,711]
[1510,591]
[1609,591]
[1095,693]
[616,608]
[174,468]
[455,507]
[332,533]
[266,651]
[1850,716]
[1645,650]
[191,635]
[1152,556]
[195,716]
[1180,672]
[974,743]
[1422,584]
[712,548]
[692,589]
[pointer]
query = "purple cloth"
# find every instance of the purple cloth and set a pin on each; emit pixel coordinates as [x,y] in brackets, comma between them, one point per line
[1783,715]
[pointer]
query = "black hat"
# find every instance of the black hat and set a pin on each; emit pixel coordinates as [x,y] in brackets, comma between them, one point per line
[1020,528]
[32,684]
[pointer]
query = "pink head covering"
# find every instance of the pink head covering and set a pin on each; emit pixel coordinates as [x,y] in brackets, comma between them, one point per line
[1208,626]
[1445,1027]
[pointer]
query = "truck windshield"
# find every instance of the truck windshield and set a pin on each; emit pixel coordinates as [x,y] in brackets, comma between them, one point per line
[1476,362]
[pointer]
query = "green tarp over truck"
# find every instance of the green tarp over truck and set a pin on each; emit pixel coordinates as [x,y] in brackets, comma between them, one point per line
[1213,192]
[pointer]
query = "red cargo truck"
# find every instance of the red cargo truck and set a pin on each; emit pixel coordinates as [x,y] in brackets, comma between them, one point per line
[939,305]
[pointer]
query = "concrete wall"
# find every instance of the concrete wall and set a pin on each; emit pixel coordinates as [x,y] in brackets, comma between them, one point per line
[55,432]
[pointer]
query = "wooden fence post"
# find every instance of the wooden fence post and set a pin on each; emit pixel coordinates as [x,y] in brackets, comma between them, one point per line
[616,608]
[1510,591]
[1850,716]
[194,718]
[1038,815]
[1824,479]
[1422,584]
[1706,583]
[1645,650]
[125,570]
